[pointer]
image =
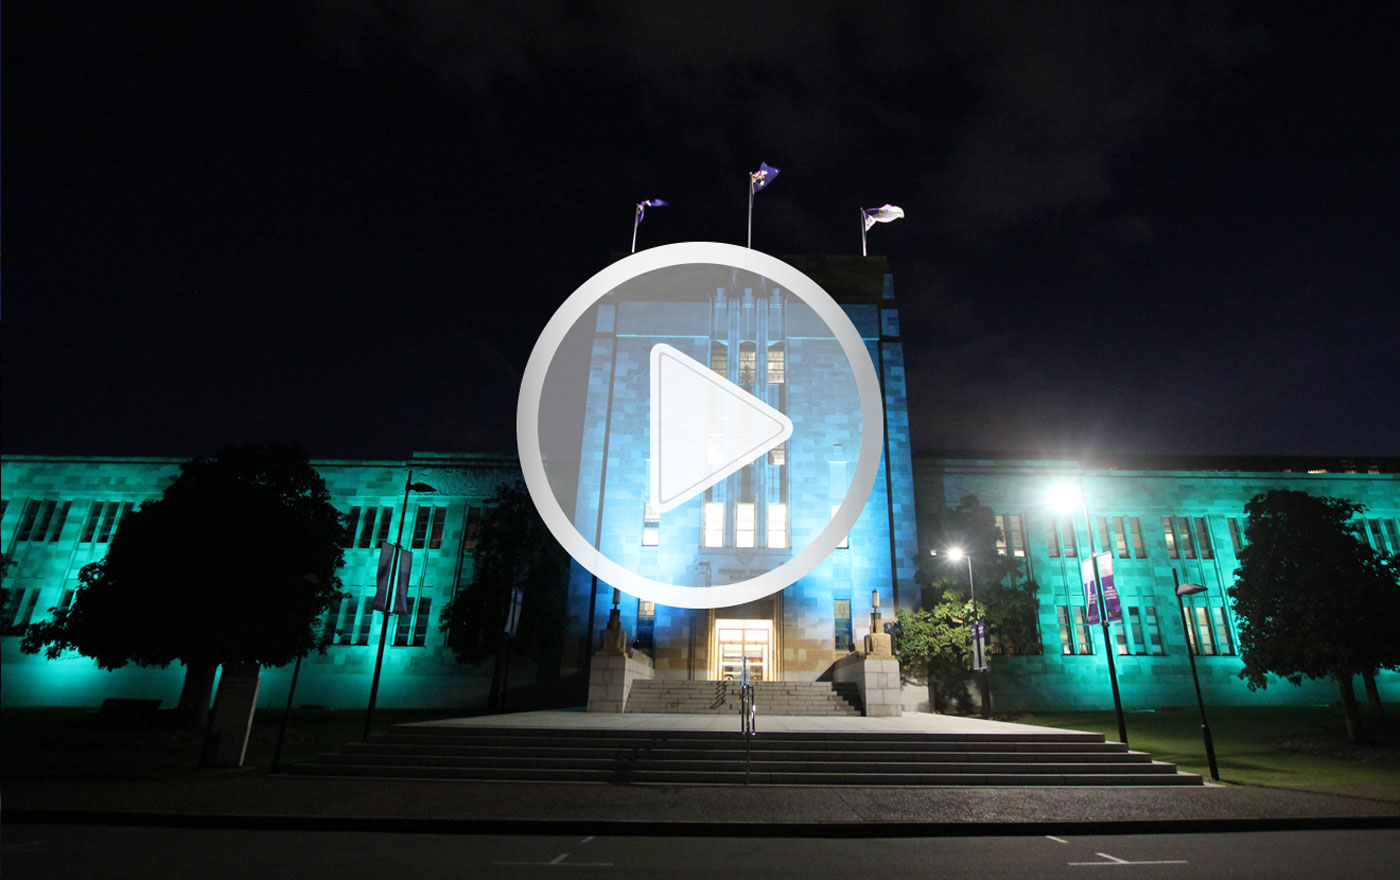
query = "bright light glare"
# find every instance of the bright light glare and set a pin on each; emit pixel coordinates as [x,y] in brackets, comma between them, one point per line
[1065,498]
[955,554]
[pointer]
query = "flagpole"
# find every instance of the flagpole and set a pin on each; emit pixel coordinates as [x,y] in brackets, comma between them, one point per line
[862,233]
[636,221]
[749,242]
[388,608]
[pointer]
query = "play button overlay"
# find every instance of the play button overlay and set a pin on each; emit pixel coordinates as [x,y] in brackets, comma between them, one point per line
[703,427]
[700,425]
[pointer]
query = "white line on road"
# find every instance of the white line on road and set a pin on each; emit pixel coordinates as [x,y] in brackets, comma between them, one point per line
[558,862]
[1056,839]
[1114,860]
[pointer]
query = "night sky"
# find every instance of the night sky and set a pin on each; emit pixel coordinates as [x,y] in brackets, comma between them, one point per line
[1145,227]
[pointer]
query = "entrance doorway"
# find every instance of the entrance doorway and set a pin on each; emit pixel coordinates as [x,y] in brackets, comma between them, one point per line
[737,639]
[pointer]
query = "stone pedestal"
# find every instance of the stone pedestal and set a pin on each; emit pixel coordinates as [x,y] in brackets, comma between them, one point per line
[610,679]
[876,675]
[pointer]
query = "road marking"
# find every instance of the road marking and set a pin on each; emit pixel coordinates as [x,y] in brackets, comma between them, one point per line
[558,861]
[1056,839]
[587,839]
[1114,860]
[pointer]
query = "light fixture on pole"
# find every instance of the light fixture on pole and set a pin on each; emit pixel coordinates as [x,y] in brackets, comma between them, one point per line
[984,671]
[1183,590]
[409,486]
[1064,498]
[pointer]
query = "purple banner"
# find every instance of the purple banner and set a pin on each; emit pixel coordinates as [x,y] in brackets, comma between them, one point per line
[1091,596]
[1111,606]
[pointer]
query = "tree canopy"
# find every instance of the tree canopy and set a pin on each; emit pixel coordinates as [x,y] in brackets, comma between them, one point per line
[1312,597]
[513,548]
[936,639]
[233,563]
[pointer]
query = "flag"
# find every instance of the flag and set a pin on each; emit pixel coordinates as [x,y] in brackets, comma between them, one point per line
[762,177]
[884,214]
[381,581]
[649,203]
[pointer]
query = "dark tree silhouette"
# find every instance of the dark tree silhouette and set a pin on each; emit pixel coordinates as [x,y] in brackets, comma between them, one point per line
[1313,598]
[513,548]
[232,564]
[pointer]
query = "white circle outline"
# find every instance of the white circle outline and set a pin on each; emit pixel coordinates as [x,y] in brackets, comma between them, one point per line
[561,524]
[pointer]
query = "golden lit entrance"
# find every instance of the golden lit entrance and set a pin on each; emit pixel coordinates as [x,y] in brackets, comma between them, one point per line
[737,639]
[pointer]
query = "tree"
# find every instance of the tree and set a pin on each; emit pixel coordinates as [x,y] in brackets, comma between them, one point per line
[1313,598]
[233,563]
[513,549]
[936,640]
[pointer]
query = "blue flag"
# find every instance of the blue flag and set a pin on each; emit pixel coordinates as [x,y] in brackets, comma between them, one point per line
[649,203]
[762,177]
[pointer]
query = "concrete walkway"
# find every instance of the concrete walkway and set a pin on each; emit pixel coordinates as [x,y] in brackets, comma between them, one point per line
[249,799]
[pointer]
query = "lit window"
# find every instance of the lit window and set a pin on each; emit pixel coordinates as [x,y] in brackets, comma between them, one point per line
[777,364]
[1016,535]
[1081,631]
[748,363]
[719,358]
[1139,548]
[1203,539]
[1052,537]
[1183,537]
[777,525]
[744,525]
[845,637]
[1223,643]
[646,624]
[1001,536]
[777,456]
[1120,537]
[1170,537]
[714,524]
[651,526]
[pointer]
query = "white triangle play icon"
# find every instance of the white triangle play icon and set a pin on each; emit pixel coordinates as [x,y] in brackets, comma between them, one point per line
[703,427]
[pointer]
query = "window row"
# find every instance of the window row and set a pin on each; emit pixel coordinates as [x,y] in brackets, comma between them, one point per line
[1140,631]
[350,620]
[746,530]
[776,366]
[20,605]
[369,526]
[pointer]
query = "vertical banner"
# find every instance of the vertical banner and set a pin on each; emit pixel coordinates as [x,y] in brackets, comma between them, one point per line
[1113,610]
[381,580]
[1091,596]
[513,614]
[979,645]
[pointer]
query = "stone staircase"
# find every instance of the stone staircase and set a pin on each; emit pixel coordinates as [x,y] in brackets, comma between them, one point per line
[448,752]
[721,697]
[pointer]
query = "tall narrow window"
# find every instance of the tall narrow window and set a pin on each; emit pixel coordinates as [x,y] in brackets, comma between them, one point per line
[1139,548]
[331,624]
[1154,631]
[1121,538]
[1223,643]
[1052,536]
[714,524]
[366,620]
[421,620]
[1203,539]
[1377,540]
[1001,535]
[744,525]
[1067,533]
[748,364]
[1066,631]
[1105,539]
[1016,535]
[367,527]
[777,525]
[405,626]
[646,624]
[1183,537]
[719,358]
[1236,540]
[1081,631]
[386,515]
[427,527]
[473,526]
[651,525]
[1392,534]
[1170,537]
[29,518]
[845,638]
[777,364]
[1203,634]
[1135,627]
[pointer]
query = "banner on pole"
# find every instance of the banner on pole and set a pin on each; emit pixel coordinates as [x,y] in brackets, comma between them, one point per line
[979,645]
[1113,609]
[1091,595]
[381,581]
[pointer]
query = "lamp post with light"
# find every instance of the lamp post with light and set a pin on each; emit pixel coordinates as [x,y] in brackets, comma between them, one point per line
[1183,590]
[1064,499]
[983,675]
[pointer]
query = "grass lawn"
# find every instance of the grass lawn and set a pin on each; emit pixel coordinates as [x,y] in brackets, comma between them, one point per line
[1297,747]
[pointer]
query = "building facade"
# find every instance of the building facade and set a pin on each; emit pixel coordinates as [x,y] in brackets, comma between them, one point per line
[1153,515]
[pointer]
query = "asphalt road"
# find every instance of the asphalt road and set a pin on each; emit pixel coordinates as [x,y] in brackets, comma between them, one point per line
[58,851]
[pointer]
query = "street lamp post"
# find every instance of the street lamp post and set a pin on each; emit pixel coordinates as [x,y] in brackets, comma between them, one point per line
[1065,501]
[409,486]
[983,674]
[1183,590]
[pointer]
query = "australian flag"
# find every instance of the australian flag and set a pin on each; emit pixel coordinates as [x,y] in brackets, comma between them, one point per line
[762,177]
[649,203]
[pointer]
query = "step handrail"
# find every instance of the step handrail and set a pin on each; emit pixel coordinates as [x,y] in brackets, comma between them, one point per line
[748,716]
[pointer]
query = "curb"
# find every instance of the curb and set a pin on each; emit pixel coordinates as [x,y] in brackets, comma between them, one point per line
[686,828]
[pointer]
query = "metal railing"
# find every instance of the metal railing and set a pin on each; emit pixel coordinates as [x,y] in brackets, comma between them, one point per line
[748,716]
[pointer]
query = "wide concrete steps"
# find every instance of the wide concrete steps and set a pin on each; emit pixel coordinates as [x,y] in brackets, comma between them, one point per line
[713,757]
[722,697]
